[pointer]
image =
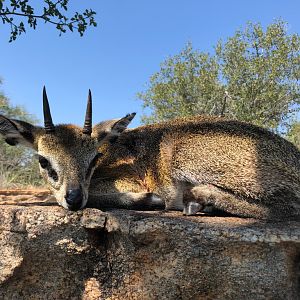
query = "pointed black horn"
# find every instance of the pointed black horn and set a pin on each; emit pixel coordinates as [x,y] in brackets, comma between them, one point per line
[49,127]
[87,128]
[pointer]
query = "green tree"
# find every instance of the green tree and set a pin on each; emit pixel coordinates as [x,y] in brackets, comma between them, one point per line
[253,76]
[17,164]
[187,84]
[293,134]
[16,13]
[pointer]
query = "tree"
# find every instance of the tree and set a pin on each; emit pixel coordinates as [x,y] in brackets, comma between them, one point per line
[16,12]
[187,84]
[17,164]
[293,134]
[253,76]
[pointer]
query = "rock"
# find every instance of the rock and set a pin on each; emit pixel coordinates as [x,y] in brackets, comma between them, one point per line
[47,252]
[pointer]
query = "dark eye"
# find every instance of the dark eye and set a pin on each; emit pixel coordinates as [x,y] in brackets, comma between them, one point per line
[53,174]
[93,163]
[95,159]
[43,162]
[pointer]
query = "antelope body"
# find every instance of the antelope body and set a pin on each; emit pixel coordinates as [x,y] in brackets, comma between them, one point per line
[185,164]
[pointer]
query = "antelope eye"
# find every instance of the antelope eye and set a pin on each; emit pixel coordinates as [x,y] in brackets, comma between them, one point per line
[43,162]
[53,174]
[95,159]
[93,163]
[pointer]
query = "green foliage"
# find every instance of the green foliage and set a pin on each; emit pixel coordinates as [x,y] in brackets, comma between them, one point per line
[253,76]
[13,12]
[18,167]
[187,84]
[293,134]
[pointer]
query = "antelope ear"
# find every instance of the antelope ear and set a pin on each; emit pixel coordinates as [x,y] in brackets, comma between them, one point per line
[112,129]
[18,132]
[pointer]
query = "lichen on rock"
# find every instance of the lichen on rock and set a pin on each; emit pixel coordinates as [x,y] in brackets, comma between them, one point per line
[51,253]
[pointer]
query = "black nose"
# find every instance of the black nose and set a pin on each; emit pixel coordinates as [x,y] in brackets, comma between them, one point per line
[74,199]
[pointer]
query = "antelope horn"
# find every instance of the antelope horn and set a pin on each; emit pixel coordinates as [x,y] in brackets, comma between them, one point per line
[49,127]
[87,128]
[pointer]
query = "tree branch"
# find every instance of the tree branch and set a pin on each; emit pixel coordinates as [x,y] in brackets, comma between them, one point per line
[52,14]
[222,113]
[44,17]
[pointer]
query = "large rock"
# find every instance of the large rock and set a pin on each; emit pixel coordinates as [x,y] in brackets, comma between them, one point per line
[47,252]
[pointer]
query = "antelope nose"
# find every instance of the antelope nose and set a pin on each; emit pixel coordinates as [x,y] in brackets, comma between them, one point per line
[74,199]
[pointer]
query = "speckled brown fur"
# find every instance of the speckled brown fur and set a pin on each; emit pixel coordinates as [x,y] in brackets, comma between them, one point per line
[254,172]
[230,165]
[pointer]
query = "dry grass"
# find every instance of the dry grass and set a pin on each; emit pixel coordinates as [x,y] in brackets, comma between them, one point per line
[18,168]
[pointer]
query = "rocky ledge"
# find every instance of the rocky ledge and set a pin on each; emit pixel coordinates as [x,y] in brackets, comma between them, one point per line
[50,253]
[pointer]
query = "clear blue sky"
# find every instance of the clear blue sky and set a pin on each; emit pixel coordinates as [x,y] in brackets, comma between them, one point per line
[116,59]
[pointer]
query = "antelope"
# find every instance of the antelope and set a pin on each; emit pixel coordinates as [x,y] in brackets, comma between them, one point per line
[189,164]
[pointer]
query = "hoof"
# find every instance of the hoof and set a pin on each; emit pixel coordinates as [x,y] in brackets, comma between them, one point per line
[191,208]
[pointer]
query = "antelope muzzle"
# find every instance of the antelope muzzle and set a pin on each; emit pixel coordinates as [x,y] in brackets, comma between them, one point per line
[74,199]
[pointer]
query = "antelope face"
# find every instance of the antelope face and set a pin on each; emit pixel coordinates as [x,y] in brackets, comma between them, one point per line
[67,154]
[67,160]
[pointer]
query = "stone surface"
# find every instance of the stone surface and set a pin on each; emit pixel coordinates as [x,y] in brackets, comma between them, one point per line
[47,252]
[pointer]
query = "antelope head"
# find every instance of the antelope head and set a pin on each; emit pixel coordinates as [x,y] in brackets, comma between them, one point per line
[67,154]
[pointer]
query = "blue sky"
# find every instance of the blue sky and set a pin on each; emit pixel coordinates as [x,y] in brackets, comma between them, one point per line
[116,59]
